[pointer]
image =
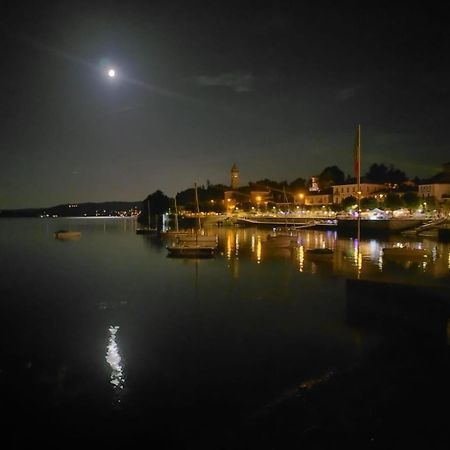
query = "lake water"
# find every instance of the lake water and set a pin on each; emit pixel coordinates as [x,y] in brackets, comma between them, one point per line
[106,337]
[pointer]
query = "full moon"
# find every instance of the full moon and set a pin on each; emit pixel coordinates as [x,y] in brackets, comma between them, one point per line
[111,73]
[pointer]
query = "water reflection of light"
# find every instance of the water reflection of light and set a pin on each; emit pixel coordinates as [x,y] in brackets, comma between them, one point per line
[236,245]
[252,243]
[114,360]
[300,257]
[360,260]
[380,262]
[229,245]
[374,249]
[258,249]
[449,260]
[434,254]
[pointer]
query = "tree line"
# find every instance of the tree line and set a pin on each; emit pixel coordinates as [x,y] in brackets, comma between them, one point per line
[211,196]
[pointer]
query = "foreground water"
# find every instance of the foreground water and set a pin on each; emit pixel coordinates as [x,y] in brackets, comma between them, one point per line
[107,337]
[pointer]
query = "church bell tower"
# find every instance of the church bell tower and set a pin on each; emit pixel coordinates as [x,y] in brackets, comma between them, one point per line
[234,177]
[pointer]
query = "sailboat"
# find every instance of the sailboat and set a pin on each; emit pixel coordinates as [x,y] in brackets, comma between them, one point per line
[148,229]
[282,239]
[195,246]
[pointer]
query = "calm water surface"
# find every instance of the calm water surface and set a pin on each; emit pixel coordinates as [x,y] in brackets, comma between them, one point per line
[107,336]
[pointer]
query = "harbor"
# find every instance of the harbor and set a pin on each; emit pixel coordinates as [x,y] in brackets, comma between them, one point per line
[251,310]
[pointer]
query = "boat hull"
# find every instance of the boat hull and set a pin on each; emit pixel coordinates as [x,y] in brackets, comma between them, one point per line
[67,235]
[190,251]
[319,254]
[399,253]
[204,240]
[350,226]
[281,241]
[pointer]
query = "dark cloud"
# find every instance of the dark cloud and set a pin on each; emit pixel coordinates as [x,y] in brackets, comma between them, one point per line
[236,81]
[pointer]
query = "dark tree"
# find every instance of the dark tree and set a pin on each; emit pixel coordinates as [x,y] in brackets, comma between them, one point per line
[369,203]
[153,207]
[330,176]
[299,184]
[411,200]
[393,201]
[395,175]
[443,176]
[378,173]
[349,202]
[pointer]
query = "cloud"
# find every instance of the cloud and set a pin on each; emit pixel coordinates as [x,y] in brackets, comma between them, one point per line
[236,81]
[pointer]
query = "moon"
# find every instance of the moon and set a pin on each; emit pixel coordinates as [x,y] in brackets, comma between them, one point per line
[111,73]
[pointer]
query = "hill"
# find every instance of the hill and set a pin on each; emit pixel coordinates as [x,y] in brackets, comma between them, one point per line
[113,208]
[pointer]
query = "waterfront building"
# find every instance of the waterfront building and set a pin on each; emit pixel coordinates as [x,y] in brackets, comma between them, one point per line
[260,198]
[440,191]
[342,191]
[319,199]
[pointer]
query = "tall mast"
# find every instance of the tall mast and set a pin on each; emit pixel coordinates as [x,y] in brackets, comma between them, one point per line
[285,213]
[148,213]
[358,175]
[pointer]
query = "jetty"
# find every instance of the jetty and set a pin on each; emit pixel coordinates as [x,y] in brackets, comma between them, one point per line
[432,224]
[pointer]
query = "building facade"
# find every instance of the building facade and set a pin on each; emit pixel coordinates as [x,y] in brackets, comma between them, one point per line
[439,191]
[342,191]
[318,199]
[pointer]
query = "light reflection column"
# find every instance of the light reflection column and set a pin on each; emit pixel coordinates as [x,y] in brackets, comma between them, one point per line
[114,360]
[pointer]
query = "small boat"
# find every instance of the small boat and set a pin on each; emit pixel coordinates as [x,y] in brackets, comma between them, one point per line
[408,253]
[281,240]
[319,254]
[191,250]
[65,234]
[195,245]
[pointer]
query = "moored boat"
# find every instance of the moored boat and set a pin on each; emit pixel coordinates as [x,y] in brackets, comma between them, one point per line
[191,250]
[66,234]
[196,245]
[406,253]
[320,251]
[281,240]
[319,254]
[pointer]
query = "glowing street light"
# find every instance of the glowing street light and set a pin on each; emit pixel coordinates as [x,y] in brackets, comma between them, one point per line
[111,73]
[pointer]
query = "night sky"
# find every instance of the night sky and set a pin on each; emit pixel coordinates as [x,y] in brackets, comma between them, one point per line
[277,89]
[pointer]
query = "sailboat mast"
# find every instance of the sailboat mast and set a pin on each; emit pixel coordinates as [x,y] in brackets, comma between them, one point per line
[198,209]
[285,213]
[148,213]
[358,175]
